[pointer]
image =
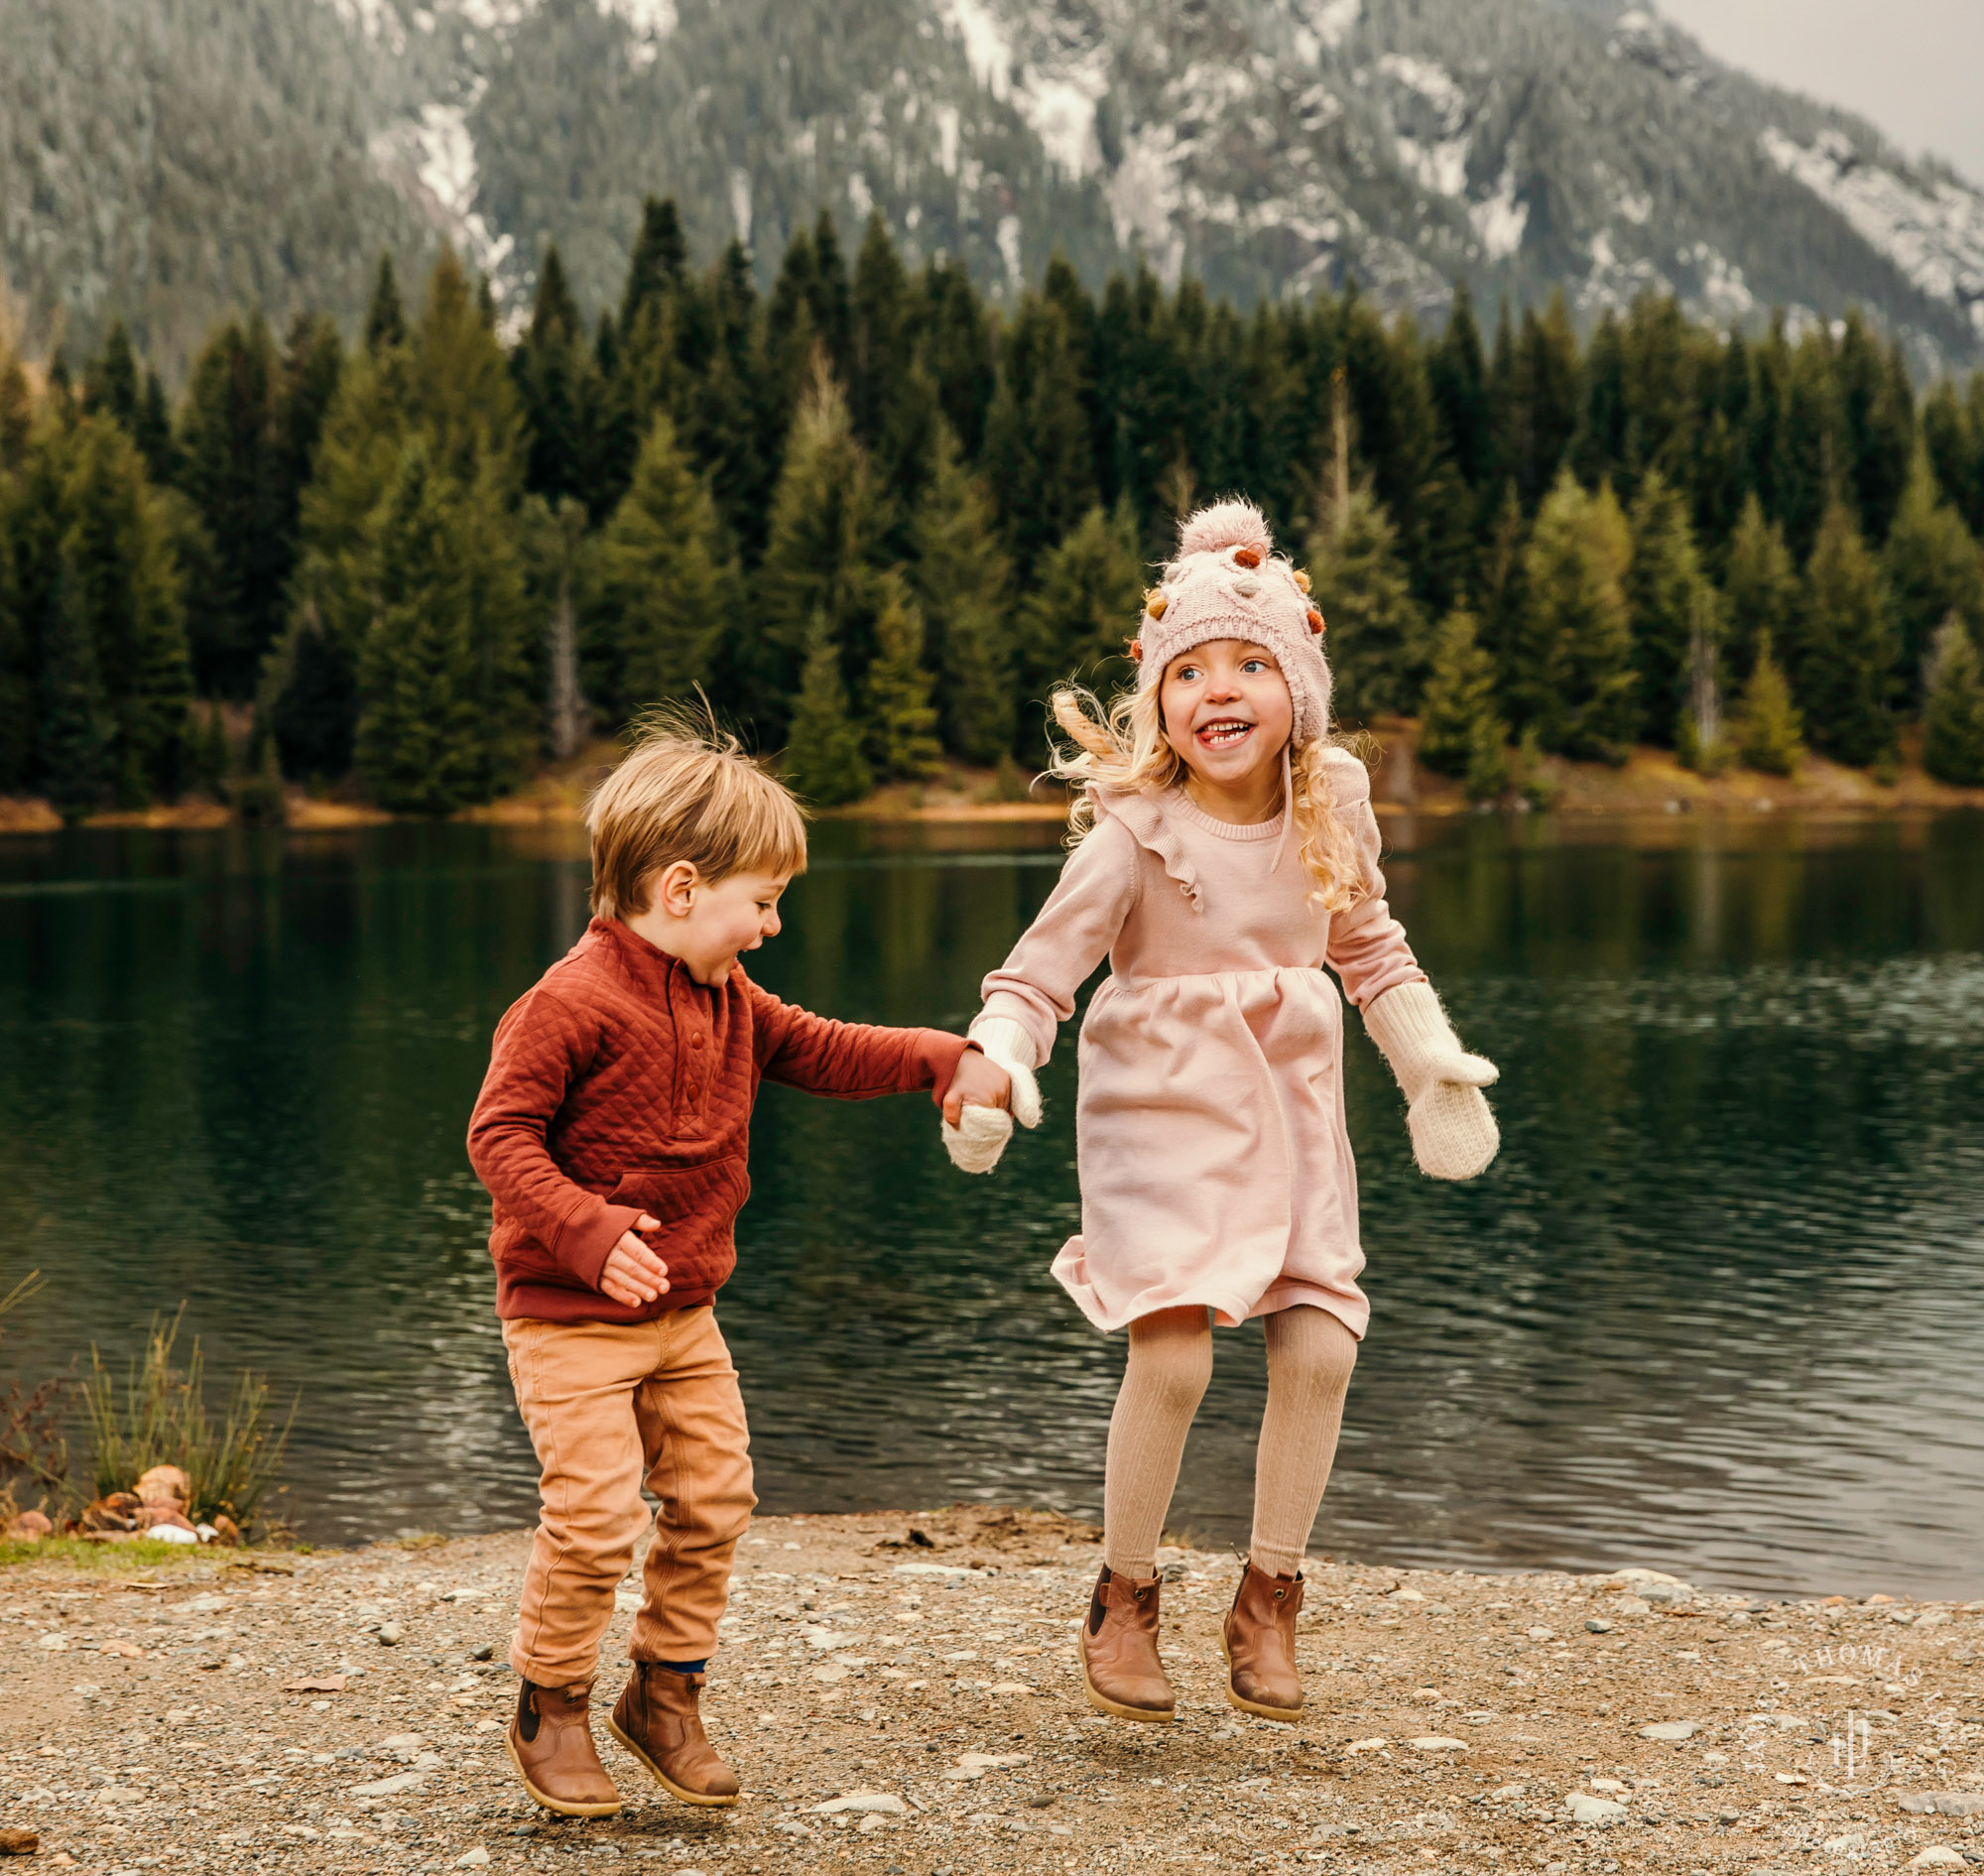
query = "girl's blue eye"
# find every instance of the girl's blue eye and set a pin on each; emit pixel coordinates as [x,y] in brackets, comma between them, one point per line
[1255,664]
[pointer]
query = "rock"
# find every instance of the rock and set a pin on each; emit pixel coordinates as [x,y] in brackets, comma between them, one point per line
[1667,1595]
[172,1533]
[117,1511]
[936,1569]
[227,1532]
[1945,1804]
[872,1803]
[1846,1843]
[156,1517]
[484,1653]
[390,1634]
[1008,1686]
[1938,1857]
[394,1787]
[476,1858]
[1508,1791]
[14,1842]
[29,1527]
[165,1485]
[54,1644]
[1586,1808]
[1366,1745]
[829,1671]
[1673,1729]
[1633,1605]
[1597,1625]
[1540,1634]
[1437,1742]
[327,1684]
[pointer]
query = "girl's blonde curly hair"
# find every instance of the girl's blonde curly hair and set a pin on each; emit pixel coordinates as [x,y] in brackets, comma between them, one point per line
[1123,746]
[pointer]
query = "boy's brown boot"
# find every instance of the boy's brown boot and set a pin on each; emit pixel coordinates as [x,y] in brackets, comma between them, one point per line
[657,1718]
[1258,1641]
[551,1745]
[1119,1651]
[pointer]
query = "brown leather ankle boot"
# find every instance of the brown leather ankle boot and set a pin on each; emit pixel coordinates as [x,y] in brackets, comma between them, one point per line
[551,1745]
[1119,1651]
[1258,1641]
[657,1718]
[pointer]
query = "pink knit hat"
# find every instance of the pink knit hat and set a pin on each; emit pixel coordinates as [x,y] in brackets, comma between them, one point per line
[1226,582]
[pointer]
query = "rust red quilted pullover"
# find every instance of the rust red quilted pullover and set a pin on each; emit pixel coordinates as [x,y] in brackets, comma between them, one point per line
[618,1085]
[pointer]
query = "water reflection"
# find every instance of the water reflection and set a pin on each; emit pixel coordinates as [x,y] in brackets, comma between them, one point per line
[1714,1310]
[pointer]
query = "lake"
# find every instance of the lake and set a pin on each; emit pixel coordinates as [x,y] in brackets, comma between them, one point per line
[1717,1309]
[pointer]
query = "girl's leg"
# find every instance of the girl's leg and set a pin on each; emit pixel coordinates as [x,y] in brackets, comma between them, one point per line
[1170,1361]
[1310,1358]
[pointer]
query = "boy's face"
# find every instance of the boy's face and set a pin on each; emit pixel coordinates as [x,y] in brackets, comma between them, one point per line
[708,925]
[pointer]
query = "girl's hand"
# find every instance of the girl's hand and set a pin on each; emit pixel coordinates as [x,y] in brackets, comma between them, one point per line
[633,1274]
[977,1129]
[1454,1130]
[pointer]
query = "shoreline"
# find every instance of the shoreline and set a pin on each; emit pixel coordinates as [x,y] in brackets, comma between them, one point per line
[1651,783]
[898,1689]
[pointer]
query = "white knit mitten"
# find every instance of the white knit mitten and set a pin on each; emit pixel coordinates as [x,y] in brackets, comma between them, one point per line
[1453,1127]
[977,1142]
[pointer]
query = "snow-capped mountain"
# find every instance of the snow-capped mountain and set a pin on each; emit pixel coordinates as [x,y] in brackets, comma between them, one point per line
[172,158]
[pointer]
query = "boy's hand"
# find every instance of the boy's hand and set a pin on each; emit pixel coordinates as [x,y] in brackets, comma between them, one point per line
[633,1274]
[978,1083]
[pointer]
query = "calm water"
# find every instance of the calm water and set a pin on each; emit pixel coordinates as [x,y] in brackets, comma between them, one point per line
[1717,1309]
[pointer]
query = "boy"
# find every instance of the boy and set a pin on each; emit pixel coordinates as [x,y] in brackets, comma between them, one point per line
[612,1133]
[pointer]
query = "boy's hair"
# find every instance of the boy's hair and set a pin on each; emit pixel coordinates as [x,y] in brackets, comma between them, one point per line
[687,791]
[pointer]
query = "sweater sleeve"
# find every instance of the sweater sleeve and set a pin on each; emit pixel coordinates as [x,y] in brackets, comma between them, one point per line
[1367,946]
[851,1061]
[542,1046]
[1073,932]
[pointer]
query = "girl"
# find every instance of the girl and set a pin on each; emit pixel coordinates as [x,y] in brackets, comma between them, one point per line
[1224,850]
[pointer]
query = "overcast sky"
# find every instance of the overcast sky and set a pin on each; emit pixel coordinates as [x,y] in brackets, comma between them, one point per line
[1911,65]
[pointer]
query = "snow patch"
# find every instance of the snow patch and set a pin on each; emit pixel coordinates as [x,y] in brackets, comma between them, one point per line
[431,161]
[1933,231]
[1145,197]
[1430,81]
[1008,249]
[651,19]
[375,19]
[946,137]
[1440,169]
[986,47]
[859,197]
[740,205]
[1499,219]
[1322,25]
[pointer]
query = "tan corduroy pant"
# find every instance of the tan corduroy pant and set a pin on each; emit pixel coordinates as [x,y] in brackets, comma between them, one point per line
[610,1406]
[1310,1358]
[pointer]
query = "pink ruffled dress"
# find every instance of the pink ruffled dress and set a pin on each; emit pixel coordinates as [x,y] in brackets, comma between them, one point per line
[1214,1157]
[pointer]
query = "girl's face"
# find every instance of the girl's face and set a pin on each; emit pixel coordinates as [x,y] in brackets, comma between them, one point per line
[1226,711]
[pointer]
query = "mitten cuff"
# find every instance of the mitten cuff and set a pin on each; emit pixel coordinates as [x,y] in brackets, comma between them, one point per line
[1409,1025]
[1008,1044]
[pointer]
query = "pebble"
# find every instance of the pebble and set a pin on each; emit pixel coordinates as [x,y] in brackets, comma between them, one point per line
[1938,1857]
[476,1858]
[1672,1729]
[1587,1808]
[1948,1804]
[390,1633]
[876,1801]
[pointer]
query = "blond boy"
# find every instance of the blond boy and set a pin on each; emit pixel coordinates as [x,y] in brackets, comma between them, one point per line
[612,1132]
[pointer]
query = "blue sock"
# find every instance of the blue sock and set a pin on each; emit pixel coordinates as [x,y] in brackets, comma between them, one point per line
[685,1667]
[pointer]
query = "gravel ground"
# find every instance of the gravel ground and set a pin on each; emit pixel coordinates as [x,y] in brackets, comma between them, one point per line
[908,1704]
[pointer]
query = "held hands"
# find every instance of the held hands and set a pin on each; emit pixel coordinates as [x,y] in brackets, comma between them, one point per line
[632,1273]
[1452,1124]
[993,1087]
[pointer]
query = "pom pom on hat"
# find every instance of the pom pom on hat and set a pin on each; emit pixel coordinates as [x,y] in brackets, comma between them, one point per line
[1230,524]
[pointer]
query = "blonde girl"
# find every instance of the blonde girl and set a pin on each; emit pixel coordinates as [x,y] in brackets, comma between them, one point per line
[1224,850]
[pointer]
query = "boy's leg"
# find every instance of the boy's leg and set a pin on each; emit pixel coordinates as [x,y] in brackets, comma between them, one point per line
[575,1385]
[698,1447]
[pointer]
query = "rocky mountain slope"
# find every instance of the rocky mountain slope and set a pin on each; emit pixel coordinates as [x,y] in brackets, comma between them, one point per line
[174,159]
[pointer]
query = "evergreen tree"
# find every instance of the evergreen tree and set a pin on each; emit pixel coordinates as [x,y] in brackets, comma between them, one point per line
[310,702]
[228,445]
[1953,717]
[1669,596]
[121,589]
[824,760]
[1040,449]
[824,557]
[961,581]
[659,264]
[1572,674]
[1770,735]
[419,732]
[902,724]
[1077,622]
[1500,599]
[1933,569]
[555,382]
[1844,671]
[386,320]
[112,386]
[1760,590]
[667,588]
[1377,630]
[152,431]
[75,729]
[1462,732]
[1953,434]
[17,656]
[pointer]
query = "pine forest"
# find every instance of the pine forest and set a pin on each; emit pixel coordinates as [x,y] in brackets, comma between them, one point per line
[874,520]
